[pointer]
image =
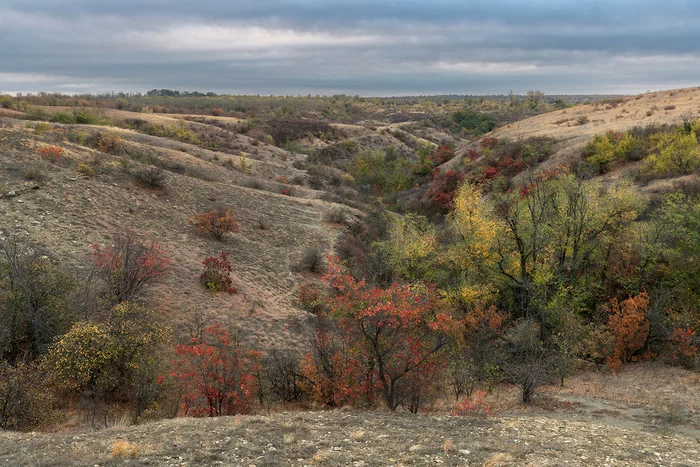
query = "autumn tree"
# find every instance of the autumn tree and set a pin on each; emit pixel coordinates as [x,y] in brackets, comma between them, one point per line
[332,373]
[216,375]
[471,253]
[129,264]
[104,362]
[217,222]
[413,248]
[628,323]
[400,332]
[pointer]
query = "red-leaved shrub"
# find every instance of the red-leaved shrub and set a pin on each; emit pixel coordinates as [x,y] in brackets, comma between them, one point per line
[216,376]
[216,275]
[218,222]
[51,153]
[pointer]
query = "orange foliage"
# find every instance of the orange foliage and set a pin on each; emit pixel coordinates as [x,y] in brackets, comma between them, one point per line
[218,222]
[474,406]
[51,153]
[215,375]
[393,337]
[628,324]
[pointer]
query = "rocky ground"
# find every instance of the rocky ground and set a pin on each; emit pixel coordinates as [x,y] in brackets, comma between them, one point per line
[356,438]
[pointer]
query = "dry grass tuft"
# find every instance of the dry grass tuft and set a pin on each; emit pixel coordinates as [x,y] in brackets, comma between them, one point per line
[289,438]
[500,459]
[321,457]
[357,435]
[122,449]
[447,446]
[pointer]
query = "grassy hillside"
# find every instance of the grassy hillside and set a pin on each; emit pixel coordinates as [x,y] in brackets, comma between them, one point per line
[523,261]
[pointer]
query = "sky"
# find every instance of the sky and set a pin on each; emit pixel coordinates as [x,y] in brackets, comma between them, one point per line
[365,47]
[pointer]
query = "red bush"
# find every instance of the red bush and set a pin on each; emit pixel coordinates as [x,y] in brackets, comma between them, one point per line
[442,154]
[682,345]
[282,179]
[217,111]
[215,375]
[473,154]
[216,275]
[218,222]
[443,188]
[309,298]
[488,142]
[129,264]
[51,153]
[394,337]
[474,406]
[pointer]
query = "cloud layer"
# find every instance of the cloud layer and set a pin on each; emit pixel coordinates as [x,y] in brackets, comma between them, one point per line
[382,47]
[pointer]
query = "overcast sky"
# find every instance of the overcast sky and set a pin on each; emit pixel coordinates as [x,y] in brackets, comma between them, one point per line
[366,47]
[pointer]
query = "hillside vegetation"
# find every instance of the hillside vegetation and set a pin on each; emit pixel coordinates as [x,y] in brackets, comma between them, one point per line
[197,255]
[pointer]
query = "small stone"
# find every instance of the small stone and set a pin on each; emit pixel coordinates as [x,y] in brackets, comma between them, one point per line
[11,193]
[465,452]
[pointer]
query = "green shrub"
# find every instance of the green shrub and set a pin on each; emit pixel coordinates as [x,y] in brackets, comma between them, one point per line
[474,122]
[62,117]
[676,153]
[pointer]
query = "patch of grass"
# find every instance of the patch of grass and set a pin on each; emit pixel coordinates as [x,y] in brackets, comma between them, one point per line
[122,449]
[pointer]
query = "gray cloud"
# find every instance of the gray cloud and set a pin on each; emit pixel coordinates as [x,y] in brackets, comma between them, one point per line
[364,47]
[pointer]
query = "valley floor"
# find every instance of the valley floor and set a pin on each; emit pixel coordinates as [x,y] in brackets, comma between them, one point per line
[536,437]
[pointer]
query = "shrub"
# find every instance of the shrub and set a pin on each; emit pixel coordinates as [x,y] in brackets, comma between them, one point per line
[34,301]
[216,376]
[311,261]
[26,403]
[529,363]
[279,378]
[309,298]
[474,406]
[473,122]
[152,177]
[628,323]
[282,179]
[51,153]
[110,362]
[129,264]
[62,117]
[6,102]
[335,215]
[85,169]
[110,143]
[443,188]
[86,117]
[216,275]
[218,222]
[33,173]
[675,154]
[394,338]
[682,347]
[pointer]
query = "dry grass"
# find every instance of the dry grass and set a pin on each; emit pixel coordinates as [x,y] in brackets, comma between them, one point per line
[500,459]
[574,127]
[122,449]
[321,438]
[448,447]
